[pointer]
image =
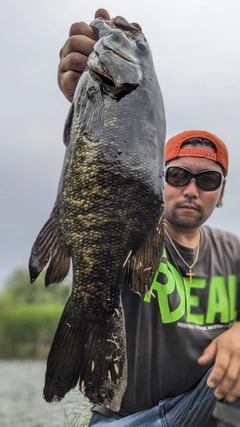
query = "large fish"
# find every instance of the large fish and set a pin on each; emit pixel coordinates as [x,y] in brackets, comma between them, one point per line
[107,212]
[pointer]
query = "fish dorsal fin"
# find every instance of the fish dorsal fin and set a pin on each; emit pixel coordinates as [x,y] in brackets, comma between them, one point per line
[68,126]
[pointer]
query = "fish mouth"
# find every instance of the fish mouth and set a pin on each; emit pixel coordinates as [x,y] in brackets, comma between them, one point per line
[109,34]
[117,22]
[123,24]
[114,64]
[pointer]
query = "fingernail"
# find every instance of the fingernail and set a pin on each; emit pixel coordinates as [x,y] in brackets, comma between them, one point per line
[202,357]
[219,395]
[211,384]
[231,399]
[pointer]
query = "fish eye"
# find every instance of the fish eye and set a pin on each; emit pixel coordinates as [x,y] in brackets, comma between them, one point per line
[141,45]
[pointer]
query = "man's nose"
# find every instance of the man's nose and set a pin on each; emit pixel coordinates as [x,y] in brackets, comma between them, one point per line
[191,189]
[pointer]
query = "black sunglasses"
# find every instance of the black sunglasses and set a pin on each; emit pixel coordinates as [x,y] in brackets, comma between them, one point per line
[208,180]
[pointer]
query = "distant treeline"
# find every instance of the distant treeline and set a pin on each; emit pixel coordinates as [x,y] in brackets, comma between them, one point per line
[29,314]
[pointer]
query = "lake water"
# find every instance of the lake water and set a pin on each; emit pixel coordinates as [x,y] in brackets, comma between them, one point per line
[22,404]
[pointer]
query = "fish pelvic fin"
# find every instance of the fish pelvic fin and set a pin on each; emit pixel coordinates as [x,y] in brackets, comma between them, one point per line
[93,353]
[143,265]
[49,249]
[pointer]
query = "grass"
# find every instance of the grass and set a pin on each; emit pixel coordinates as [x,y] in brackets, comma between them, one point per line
[78,418]
[27,331]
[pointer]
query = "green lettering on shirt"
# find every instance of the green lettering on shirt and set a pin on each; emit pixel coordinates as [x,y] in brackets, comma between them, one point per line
[232,289]
[194,300]
[174,280]
[176,296]
[217,300]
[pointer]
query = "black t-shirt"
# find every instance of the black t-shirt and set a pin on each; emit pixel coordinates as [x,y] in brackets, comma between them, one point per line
[168,329]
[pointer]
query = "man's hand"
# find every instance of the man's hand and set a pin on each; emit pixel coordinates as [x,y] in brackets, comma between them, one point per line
[225,349]
[74,54]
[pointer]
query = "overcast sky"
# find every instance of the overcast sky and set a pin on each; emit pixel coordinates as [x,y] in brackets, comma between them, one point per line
[195,46]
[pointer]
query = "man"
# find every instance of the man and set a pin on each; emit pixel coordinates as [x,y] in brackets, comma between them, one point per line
[183,338]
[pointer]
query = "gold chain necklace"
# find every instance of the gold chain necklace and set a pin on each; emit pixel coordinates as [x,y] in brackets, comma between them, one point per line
[190,267]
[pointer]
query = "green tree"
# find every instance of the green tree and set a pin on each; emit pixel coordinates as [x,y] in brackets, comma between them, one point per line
[18,290]
[29,314]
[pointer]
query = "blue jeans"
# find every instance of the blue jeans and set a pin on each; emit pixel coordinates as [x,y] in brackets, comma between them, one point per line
[193,408]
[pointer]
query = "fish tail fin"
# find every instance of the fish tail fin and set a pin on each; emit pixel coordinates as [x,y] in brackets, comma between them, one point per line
[93,353]
[49,248]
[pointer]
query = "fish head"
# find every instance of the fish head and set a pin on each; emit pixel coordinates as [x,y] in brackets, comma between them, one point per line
[117,61]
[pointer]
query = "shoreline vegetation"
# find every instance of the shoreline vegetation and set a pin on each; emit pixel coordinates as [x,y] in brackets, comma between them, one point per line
[27,331]
[29,315]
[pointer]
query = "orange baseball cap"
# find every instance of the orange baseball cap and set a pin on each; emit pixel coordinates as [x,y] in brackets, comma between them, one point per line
[173,147]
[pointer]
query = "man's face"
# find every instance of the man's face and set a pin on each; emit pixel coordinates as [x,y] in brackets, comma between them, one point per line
[190,206]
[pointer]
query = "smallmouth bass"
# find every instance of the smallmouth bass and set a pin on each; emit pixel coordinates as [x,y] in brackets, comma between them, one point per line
[107,212]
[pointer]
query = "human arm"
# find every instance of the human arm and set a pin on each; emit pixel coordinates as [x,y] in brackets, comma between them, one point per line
[225,349]
[74,54]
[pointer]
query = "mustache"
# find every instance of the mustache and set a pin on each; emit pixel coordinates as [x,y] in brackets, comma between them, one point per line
[189,202]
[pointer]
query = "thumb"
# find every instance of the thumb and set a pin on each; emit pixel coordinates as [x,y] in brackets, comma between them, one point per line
[102,13]
[208,354]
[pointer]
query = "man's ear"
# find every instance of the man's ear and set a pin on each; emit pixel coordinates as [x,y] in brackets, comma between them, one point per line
[220,200]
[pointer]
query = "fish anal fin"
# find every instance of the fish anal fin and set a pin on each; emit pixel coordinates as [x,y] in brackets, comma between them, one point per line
[49,250]
[59,265]
[143,265]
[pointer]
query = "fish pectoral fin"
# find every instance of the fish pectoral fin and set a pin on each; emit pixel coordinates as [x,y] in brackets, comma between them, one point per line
[143,265]
[91,113]
[68,126]
[49,249]
[90,351]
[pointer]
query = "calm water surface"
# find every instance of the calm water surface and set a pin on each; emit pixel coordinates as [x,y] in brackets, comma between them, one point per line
[21,402]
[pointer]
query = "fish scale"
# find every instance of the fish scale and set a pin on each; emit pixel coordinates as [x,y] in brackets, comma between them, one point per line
[108,213]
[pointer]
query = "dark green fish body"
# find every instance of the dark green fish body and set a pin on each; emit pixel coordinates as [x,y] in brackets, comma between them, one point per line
[108,209]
